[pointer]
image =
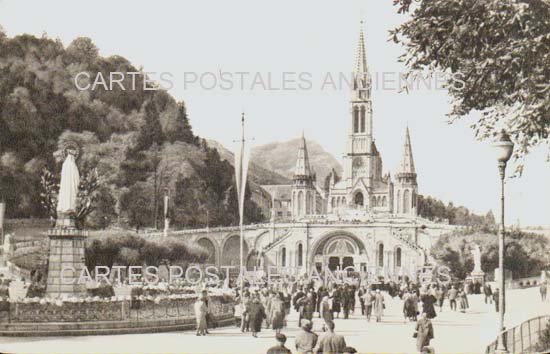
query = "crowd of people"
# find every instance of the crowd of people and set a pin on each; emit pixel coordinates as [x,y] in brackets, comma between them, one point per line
[268,307]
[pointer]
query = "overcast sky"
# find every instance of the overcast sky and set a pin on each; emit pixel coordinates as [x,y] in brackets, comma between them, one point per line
[308,38]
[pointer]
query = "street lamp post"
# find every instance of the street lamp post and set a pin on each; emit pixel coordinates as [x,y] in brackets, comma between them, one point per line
[166,200]
[504,148]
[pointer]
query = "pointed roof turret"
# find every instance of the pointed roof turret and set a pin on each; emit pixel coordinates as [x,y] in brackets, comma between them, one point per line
[303,168]
[407,163]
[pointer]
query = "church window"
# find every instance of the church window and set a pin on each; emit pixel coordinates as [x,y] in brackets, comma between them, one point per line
[398,201]
[355,120]
[358,199]
[283,257]
[406,201]
[333,202]
[384,201]
[373,201]
[300,255]
[381,255]
[362,119]
[398,257]
[413,199]
[300,203]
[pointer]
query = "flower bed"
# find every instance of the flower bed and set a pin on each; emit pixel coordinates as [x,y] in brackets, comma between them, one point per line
[116,308]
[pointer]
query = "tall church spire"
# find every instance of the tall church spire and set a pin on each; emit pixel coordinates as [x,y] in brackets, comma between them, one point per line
[407,163]
[362,81]
[361,60]
[303,167]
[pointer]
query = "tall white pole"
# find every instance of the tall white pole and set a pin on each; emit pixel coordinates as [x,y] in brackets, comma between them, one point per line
[241,210]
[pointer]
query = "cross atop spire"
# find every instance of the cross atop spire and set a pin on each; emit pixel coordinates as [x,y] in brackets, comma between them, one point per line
[303,167]
[407,163]
[361,60]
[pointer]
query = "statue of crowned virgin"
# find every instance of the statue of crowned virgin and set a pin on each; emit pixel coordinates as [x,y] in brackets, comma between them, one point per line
[68,188]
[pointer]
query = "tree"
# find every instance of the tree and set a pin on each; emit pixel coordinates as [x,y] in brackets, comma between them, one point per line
[137,202]
[182,130]
[151,132]
[498,55]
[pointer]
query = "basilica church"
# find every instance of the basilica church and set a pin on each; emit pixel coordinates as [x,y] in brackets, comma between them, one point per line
[366,219]
[364,190]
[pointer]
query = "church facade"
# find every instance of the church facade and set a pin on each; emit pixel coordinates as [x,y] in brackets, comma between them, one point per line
[365,221]
[364,191]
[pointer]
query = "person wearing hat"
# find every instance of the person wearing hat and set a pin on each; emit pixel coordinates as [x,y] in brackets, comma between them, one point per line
[280,347]
[378,305]
[306,340]
[326,310]
[330,342]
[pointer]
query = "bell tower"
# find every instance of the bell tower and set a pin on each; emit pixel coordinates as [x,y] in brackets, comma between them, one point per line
[358,162]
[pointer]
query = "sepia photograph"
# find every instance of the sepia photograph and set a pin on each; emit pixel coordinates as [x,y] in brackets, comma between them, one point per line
[227,177]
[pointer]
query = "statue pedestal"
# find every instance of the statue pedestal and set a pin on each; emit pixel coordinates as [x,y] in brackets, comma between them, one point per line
[66,261]
[478,276]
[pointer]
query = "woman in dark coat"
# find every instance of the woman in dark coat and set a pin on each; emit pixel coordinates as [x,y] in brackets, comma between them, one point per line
[278,313]
[256,314]
[428,302]
[337,301]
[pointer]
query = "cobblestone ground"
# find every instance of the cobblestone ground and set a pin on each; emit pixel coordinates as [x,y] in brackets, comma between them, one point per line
[455,332]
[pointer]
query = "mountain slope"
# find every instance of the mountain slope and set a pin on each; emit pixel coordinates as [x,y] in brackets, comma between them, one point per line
[281,158]
[257,173]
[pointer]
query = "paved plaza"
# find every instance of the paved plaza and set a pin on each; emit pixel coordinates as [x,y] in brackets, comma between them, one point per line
[455,332]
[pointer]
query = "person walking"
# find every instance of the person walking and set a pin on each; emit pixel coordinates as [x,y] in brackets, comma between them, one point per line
[337,301]
[326,311]
[424,332]
[462,300]
[428,301]
[279,348]
[439,296]
[488,292]
[246,301]
[378,305]
[305,305]
[306,340]
[453,293]
[495,298]
[360,294]
[200,316]
[543,291]
[346,300]
[277,312]
[330,342]
[411,306]
[368,298]
[257,315]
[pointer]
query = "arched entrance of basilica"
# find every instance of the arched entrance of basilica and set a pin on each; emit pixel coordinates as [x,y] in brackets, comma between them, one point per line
[339,251]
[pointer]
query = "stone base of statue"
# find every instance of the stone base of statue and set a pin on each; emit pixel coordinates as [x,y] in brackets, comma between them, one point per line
[66,259]
[478,277]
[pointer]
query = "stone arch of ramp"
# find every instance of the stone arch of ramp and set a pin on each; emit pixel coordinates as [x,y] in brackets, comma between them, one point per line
[259,237]
[320,244]
[212,247]
[230,251]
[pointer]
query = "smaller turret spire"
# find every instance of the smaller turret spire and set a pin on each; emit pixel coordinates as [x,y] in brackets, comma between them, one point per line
[407,163]
[303,167]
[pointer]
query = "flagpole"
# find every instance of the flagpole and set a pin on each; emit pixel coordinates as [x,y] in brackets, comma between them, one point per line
[241,211]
